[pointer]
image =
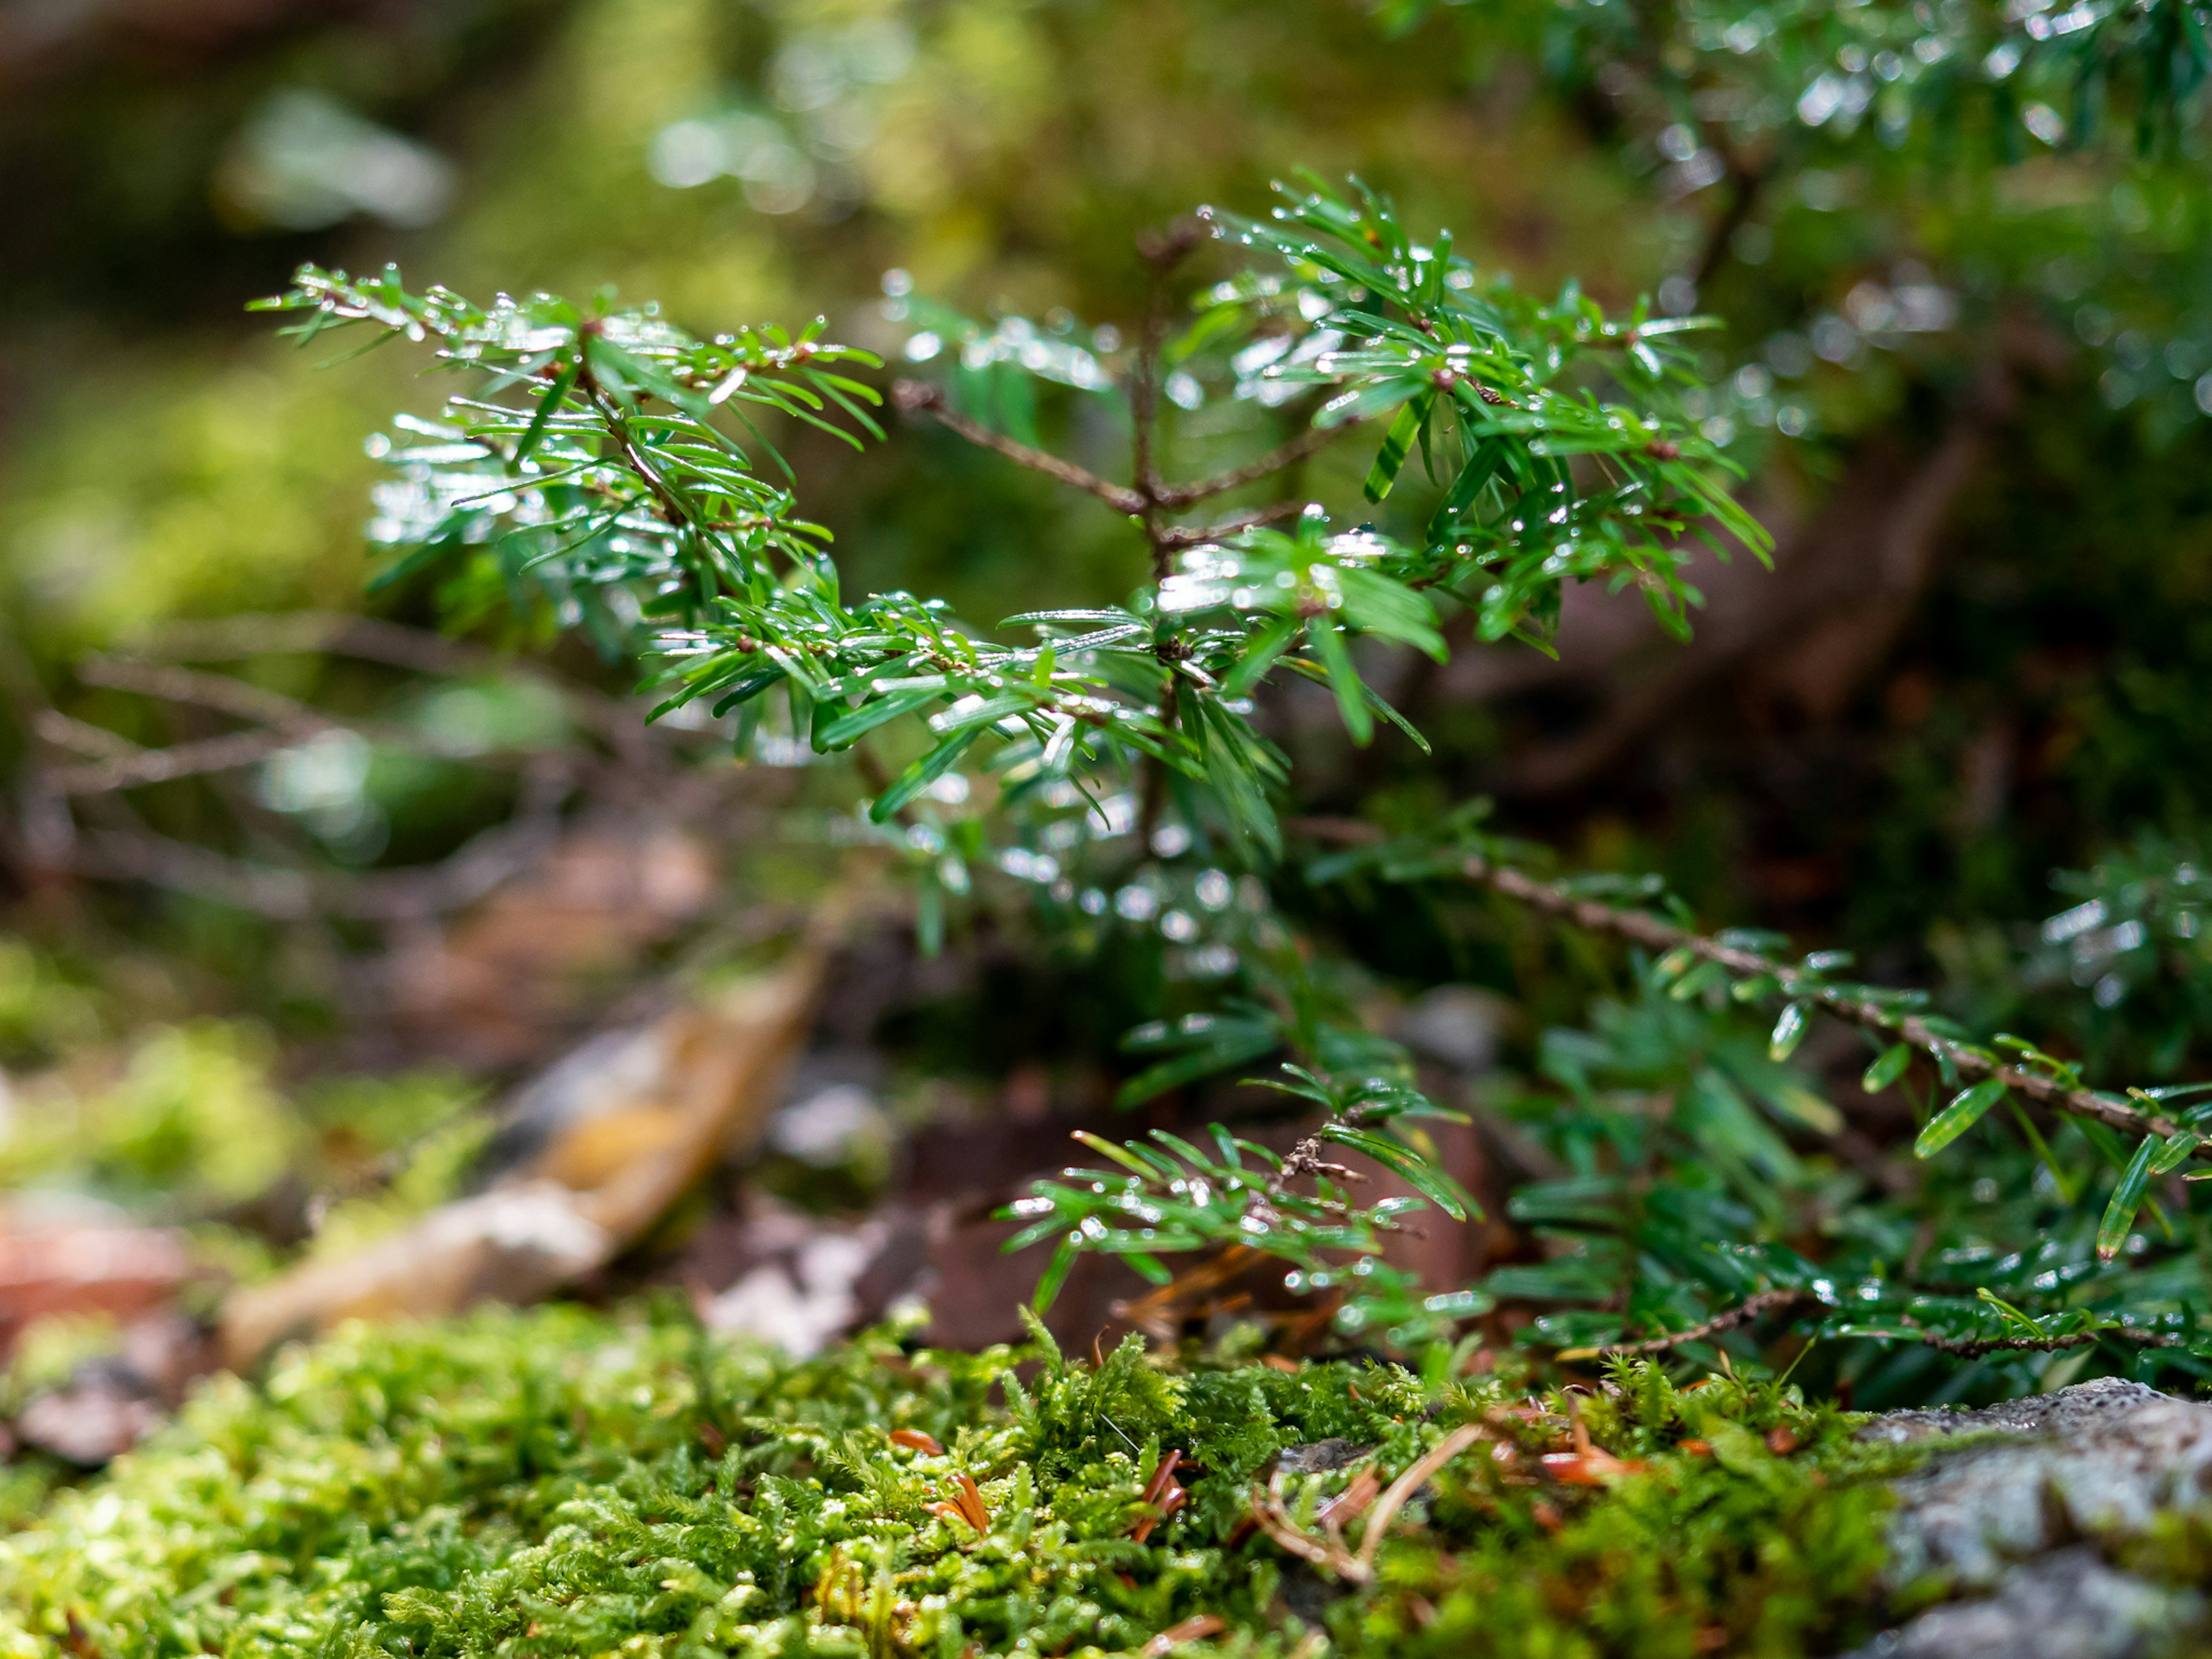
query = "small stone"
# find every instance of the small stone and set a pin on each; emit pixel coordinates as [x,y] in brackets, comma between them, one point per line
[1320,1457]
[2067,1605]
[1996,1514]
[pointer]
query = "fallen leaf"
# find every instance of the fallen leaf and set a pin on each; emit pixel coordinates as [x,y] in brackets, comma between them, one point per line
[98,1415]
[970,1499]
[64,1266]
[627,1124]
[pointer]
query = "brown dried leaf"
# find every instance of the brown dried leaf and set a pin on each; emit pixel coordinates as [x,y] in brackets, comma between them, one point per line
[638,1123]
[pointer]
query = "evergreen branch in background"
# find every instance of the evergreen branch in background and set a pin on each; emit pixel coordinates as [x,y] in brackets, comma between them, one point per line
[2047,1081]
[1856,77]
[1691,963]
[1806,985]
[1771,1301]
[1977,1348]
[1551,432]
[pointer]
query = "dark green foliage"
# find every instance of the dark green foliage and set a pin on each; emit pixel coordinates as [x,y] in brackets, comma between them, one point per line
[1701,1167]
[1555,436]
[1834,139]
[580,493]
[611,493]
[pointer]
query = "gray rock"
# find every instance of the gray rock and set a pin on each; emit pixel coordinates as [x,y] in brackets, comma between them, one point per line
[2066,1605]
[1999,1517]
[1319,1457]
[2096,1461]
[2067,1412]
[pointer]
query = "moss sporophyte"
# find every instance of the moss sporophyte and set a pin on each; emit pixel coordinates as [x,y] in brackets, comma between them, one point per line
[565,1482]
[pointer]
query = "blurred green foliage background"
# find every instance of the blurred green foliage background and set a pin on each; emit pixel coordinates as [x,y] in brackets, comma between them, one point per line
[1967,393]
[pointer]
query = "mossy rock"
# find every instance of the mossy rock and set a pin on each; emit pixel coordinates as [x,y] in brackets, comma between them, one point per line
[565,1482]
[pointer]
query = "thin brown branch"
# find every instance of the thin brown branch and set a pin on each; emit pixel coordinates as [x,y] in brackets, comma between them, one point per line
[224,754]
[43,831]
[1163,251]
[918,397]
[314,631]
[1311,441]
[1745,184]
[220,692]
[1195,535]
[82,737]
[371,639]
[1411,1482]
[292,895]
[1640,927]
[282,722]
[1274,1520]
[1974,1347]
[1966,1061]
[1265,1507]
[1743,1313]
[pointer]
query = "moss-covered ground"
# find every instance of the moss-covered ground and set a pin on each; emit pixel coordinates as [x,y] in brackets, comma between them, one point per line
[565,1482]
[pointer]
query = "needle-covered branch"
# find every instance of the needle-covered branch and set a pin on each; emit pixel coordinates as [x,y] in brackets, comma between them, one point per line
[2047,1082]
[624,483]
[1765,1303]
[1754,974]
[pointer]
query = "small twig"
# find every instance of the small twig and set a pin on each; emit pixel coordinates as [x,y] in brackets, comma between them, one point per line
[282,723]
[1348,1505]
[1163,252]
[289,894]
[1409,1483]
[220,692]
[371,639]
[1268,1509]
[1305,1158]
[1175,537]
[1323,1552]
[1743,1313]
[223,753]
[1196,1628]
[82,737]
[1748,183]
[44,831]
[1275,461]
[919,397]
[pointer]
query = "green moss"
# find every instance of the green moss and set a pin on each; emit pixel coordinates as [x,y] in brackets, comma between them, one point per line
[563,1482]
